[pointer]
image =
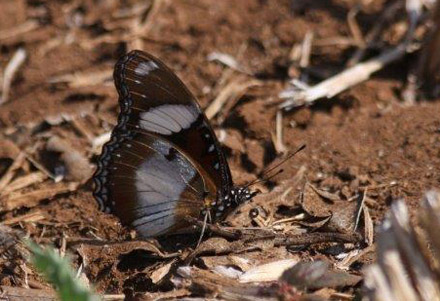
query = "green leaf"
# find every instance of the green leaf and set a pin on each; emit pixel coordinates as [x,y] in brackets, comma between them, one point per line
[58,272]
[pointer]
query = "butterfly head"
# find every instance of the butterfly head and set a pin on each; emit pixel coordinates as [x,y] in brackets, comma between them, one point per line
[231,199]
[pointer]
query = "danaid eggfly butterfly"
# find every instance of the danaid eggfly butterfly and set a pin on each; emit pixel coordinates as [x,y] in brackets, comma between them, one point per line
[163,162]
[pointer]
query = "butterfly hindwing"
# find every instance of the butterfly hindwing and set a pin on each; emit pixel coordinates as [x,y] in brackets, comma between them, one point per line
[151,185]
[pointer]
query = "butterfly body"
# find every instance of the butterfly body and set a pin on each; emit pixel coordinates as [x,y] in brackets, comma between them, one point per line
[163,161]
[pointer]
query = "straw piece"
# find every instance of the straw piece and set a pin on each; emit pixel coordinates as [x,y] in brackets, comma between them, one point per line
[10,72]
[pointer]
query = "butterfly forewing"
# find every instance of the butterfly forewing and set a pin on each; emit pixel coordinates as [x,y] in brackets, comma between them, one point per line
[156,101]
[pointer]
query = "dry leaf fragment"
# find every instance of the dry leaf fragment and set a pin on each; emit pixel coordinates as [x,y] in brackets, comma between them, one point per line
[316,275]
[267,272]
[161,272]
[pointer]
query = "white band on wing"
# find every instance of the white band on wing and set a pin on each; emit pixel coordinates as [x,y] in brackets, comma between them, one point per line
[168,119]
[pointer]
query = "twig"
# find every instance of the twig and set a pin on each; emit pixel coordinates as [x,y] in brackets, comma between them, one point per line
[141,28]
[306,50]
[334,41]
[214,229]
[23,182]
[233,90]
[82,128]
[18,30]
[10,71]
[31,199]
[27,218]
[18,294]
[81,79]
[18,162]
[315,238]
[368,226]
[354,27]
[360,209]
[373,34]
[278,143]
[342,81]
[305,238]
[43,169]
[227,60]
[428,73]
[113,297]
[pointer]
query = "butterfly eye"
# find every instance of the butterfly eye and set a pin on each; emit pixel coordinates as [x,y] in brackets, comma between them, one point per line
[253,213]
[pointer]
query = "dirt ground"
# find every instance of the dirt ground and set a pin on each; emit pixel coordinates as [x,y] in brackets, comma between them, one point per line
[365,141]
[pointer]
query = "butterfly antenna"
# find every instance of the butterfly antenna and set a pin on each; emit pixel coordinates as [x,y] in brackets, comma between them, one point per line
[262,179]
[259,180]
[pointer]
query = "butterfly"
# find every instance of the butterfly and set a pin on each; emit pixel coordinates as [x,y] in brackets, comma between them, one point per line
[163,162]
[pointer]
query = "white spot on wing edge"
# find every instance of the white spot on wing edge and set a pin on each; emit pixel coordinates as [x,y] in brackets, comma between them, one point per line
[145,67]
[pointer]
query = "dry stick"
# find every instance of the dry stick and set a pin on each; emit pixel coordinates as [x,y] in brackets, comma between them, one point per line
[361,205]
[310,238]
[33,198]
[43,169]
[228,61]
[299,239]
[142,28]
[334,41]
[79,125]
[414,10]
[374,33]
[214,228]
[354,26]
[221,99]
[233,89]
[279,144]
[132,11]
[18,294]
[10,71]
[18,162]
[18,30]
[235,98]
[113,297]
[356,255]
[228,73]
[306,50]
[428,73]
[23,182]
[342,81]
[83,79]
[27,218]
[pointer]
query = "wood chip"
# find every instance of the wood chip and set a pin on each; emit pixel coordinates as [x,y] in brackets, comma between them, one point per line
[25,294]
[267,272]
[83,79]
[18,162]
[161,272]
[33,198]
[23,182]
[25,218]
